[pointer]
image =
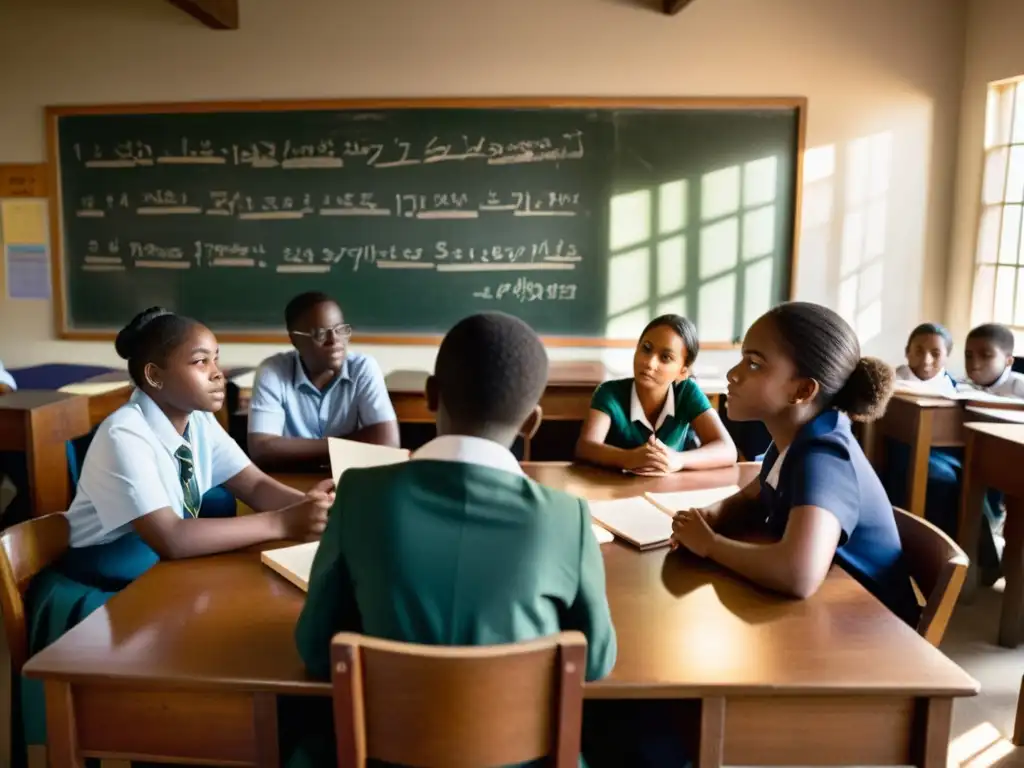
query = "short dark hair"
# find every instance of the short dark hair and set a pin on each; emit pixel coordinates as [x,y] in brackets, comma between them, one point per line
[150,337]
[301,304]
[684,328]
[824,347]
[932,329]
[491,370]
[998,334]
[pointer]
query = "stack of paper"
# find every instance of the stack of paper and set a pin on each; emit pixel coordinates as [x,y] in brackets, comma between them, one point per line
[646,521]
[350,454]
[294,563]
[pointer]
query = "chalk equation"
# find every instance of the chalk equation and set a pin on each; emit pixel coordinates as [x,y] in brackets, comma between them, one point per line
[355,204]
[328,153]
[113,255]
[525,290]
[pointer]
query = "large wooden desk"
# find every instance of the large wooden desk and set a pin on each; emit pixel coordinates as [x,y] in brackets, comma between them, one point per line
[39,423]
[994,458]
[186,663]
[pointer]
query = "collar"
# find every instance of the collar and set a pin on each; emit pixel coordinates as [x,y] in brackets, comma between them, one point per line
[1003,378]
[772,478]
[159,422]
[300,380]
[469,450]
[636,411]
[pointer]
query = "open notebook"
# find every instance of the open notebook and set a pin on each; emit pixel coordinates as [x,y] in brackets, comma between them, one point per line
[350,454]
[646,521]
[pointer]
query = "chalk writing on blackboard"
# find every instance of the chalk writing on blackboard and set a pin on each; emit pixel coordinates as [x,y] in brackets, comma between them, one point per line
[525,290]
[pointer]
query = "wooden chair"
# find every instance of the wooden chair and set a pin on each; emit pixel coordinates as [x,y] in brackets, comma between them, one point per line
[458,707]
[938,567]
[25,550]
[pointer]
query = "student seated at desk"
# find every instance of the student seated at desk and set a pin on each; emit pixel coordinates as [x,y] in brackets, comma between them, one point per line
[928,348]
[642,424]
[318,390]
[988,360]
[7,383]
[803,376]
[457,546]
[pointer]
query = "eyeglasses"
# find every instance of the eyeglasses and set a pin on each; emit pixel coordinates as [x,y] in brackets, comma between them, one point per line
[319,335]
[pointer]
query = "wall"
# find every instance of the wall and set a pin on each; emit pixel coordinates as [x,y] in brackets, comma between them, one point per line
[883,79]
[994,52]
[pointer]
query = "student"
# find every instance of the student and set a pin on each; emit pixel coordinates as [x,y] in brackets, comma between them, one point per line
[802,374]
[988,360]
[928,347]
[319,390]
[6,381]
[144,475]
[641,424]
[457,546]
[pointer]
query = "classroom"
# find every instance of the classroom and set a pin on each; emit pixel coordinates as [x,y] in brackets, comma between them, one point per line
[271,238]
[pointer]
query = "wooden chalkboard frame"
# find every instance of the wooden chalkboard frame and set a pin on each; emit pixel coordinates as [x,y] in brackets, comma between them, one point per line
[54,113]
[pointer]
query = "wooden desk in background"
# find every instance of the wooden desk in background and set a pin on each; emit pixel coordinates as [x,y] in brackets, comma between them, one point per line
[994,458]
[187,663]
[39,423]
[924,423]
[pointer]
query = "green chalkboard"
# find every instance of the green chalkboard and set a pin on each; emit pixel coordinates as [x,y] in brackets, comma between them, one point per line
[581,219]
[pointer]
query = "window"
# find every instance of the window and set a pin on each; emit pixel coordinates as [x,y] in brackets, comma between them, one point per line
[718,270]
[998,283]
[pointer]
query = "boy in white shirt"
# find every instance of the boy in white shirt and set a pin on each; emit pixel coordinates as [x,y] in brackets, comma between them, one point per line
[7,383]
[988,359]
[928,348]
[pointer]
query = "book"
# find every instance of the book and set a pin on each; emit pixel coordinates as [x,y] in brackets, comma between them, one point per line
[350,454]
[293,563]
[646,521]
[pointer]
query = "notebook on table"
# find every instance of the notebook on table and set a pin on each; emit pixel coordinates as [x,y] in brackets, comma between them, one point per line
[351,454]
[646,521]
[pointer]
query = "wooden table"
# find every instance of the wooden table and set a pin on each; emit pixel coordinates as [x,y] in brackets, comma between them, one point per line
[186,663]
[994,458]
[39,423]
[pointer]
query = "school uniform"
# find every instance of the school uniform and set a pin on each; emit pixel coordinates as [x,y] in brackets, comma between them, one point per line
[941,383]
[630,426]
[825,467]
[285,402]
[137,463]
[1009,384]
[455,547]
[6,377]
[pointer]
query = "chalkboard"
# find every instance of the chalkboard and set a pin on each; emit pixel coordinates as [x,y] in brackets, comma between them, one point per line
[582,218]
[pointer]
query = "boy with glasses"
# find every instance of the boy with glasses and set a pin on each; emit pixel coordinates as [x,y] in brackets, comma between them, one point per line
[318,390]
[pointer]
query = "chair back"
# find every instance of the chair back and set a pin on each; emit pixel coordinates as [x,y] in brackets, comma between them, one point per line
[938,567]
[25,550]
[458,707]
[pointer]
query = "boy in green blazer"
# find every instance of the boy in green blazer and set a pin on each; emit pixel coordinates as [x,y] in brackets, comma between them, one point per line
[457,546]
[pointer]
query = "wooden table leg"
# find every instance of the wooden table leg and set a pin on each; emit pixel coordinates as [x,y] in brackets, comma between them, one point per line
[712,733]
[931,733]
[920,450]
[61,733]
[1013,570]
[265,705]
[969,524]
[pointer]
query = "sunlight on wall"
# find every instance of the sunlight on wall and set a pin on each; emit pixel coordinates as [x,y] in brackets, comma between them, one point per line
[980,747]
[862,251]
[652,241]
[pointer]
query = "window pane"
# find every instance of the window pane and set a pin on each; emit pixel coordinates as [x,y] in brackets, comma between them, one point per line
[628,280]
[981,306]
[759,233]
[673,306]
[1018,315]
[1015,176]
[1002,310]
[671,265]
[757,290]
[998,114]
[988,234]
[720,193]
[671,207]
[1009,238]
[1018,115]
[719,247]
[995,177]
[759,181]
[630,216]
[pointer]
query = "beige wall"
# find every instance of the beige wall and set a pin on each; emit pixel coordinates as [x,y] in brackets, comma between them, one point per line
[883,78]
[994,52]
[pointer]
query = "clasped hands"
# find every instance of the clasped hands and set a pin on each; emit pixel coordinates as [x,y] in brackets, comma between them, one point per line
[653,459]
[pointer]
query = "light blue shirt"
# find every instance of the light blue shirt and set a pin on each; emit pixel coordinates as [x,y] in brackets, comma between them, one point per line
[130,468]
[6,378]
[285,402]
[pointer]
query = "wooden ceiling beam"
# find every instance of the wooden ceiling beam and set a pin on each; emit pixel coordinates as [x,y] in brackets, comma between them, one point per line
[216,14]
[672,7]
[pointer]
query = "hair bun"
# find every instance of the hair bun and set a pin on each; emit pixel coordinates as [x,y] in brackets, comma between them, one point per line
[866,393]
[126,343]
